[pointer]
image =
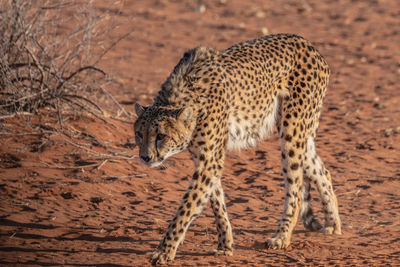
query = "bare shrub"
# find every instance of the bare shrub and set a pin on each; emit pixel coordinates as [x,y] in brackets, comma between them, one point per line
[47,56]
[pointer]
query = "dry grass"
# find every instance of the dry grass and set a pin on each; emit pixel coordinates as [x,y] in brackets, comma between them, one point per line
[48,56]
[49,74]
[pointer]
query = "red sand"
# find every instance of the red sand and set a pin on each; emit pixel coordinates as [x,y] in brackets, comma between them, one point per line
[114,212]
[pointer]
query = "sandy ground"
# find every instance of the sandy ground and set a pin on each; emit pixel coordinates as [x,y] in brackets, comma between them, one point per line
[61,206]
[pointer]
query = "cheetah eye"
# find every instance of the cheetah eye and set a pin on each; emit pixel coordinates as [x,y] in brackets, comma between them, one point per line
[160,137]
[139,135]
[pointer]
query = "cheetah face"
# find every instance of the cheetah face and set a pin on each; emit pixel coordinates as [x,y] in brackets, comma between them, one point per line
[161,132]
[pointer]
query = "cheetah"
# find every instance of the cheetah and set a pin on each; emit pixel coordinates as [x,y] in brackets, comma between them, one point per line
[215,101]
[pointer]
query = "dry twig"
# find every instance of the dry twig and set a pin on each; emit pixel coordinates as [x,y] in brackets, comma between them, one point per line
[102,155]
[46,165]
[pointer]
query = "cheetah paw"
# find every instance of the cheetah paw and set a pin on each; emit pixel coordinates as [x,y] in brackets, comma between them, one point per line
[161,257]
[314,226]
[278,242]
[329,230]
[222,252]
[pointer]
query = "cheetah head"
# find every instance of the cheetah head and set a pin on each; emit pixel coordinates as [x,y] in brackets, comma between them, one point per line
[162,132]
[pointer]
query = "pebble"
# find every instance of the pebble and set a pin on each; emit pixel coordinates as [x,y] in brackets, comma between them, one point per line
[260,14]
[264,31]
[201,8]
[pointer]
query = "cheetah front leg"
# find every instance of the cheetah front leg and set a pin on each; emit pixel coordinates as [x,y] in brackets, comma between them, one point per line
[292,161]
[200,189]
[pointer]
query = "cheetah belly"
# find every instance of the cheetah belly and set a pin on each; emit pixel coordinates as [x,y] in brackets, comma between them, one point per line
[243,134]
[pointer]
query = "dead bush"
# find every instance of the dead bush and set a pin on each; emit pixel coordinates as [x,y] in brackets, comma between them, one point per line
[48,56]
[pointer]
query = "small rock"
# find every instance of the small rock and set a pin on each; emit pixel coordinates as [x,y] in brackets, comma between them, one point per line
[260,14]
[201,8]
[391,131]
[305,7]
[264,31]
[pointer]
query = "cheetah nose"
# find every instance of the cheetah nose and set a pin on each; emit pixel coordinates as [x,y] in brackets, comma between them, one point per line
[145,158]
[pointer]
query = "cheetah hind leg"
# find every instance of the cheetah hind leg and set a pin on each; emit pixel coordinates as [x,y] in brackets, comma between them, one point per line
[316,172]
[306,213]
[224,229]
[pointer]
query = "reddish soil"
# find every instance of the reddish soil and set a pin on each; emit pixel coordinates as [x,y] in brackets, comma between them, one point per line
[61,205]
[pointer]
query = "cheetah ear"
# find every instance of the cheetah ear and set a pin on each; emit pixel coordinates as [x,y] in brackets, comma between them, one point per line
[184,114]
[139,109]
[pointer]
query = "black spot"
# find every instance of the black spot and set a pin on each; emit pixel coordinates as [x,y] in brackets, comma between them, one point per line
[294,166]
[291,153]
[217,192]
[194,196]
